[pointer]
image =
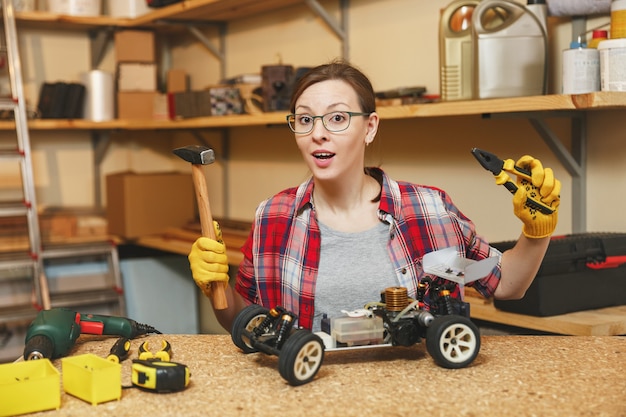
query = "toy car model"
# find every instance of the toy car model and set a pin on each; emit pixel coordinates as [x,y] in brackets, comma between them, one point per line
[452,339]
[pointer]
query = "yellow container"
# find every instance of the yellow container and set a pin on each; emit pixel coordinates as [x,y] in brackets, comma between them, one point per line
[28,387]
[92,378]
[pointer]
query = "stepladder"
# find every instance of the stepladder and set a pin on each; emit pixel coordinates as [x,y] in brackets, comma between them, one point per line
[18,267]
[25,258]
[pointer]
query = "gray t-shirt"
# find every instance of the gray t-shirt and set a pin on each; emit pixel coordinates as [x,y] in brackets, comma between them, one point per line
[354,269]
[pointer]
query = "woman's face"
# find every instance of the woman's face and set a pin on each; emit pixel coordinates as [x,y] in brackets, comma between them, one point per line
[332,155]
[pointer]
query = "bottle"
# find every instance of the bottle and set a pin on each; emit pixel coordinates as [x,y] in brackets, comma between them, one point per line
[455,50]
[540,9]
[597,37]
[581,69]
[618,19]
[509,50]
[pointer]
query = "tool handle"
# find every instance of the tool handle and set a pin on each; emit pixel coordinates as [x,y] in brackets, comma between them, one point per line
[218,293]
[120,350]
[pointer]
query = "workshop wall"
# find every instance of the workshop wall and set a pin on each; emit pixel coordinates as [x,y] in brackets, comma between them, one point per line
[395,43]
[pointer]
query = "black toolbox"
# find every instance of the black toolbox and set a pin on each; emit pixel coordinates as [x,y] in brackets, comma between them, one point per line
[579,272]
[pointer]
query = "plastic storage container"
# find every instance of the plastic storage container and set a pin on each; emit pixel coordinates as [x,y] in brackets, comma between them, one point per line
[579,272]
[28,387]
[75,7]
[127,8]
[92,378]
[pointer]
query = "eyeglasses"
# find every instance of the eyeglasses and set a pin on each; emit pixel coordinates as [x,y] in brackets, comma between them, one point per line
[336,121]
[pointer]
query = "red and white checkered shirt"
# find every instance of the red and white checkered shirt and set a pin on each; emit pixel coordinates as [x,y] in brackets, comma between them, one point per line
[281,255]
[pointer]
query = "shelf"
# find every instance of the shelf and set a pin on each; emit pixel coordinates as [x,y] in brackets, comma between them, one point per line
[45,20]
[556,102]
[591,101]
[609,321]
[188,11]
[213,10]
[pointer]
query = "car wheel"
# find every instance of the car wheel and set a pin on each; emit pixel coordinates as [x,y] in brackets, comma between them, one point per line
[453,341]
[249,318]
[301,357]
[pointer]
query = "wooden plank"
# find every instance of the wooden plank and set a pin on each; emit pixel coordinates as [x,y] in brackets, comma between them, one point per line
[212,10]
[180,240]
[591,101]
[610,321]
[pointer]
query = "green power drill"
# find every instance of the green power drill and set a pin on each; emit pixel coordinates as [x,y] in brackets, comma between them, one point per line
[53,332]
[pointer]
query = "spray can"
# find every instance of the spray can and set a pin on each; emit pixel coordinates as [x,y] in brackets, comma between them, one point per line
[581,69]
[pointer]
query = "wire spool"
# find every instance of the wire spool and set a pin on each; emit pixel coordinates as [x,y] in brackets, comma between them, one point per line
[396,298]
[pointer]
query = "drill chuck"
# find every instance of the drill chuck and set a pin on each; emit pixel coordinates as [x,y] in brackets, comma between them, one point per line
[38,347]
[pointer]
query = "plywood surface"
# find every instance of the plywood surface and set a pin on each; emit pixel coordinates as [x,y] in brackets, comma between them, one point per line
[512,376]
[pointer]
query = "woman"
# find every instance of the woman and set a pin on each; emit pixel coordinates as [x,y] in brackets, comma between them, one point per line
[340,238]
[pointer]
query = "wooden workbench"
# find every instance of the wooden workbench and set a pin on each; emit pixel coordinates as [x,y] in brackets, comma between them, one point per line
[512,375]
[609,321]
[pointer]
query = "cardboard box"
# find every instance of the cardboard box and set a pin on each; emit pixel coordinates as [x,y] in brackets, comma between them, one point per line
[134,46]
[225,100]
[190,104]
[177,81]
[136,76]
[136,104]
[145,204]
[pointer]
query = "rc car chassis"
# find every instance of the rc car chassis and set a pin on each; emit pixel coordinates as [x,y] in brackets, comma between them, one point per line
[452,339]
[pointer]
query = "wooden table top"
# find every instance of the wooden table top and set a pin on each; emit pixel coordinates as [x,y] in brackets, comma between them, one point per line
[512,375]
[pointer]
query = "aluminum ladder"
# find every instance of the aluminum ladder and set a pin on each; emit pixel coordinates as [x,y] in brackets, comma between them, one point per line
[26,263]
[29,259]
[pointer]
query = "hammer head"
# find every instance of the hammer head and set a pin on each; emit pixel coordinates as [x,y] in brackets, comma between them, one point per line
[196,154]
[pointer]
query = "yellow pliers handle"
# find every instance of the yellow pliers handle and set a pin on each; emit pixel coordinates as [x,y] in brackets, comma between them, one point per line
[163,354]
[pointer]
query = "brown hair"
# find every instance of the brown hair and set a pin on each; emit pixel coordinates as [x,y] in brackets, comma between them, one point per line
[337,70]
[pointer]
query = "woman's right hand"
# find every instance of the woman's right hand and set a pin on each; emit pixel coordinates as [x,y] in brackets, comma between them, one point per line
[208,262]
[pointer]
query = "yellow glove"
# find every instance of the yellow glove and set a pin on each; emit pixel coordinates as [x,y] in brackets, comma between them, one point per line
[537,198]
[208,261]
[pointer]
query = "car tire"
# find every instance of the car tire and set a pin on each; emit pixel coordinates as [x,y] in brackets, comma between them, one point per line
[301,357]
[453,341]
[249,318]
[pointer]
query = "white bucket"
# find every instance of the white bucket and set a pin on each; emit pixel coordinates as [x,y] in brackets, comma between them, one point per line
[127,8]
[612,64]
[24,5]
[75,7]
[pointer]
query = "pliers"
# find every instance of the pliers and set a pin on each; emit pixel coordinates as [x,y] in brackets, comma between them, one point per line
[494,164]
[163,355]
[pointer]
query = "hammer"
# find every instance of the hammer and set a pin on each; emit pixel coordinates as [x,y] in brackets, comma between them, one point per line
[198,156]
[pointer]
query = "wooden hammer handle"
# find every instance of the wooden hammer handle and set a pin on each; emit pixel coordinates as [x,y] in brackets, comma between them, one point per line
[218,294]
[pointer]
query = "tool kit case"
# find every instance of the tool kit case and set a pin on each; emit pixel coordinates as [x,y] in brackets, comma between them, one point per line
[579,272]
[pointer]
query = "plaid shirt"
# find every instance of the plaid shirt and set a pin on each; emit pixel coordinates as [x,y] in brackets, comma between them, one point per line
[281,255]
